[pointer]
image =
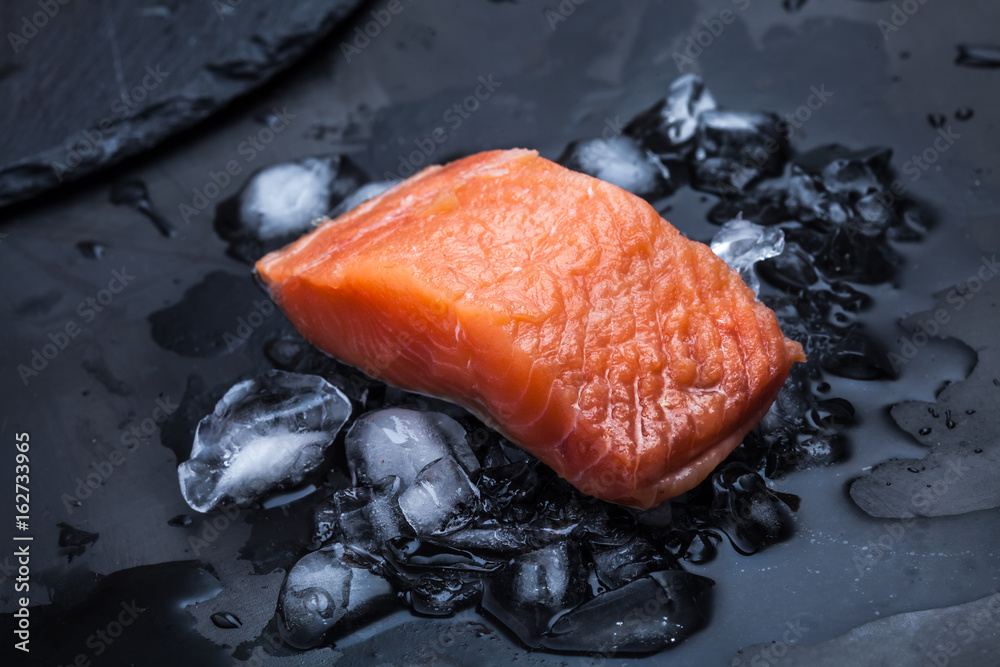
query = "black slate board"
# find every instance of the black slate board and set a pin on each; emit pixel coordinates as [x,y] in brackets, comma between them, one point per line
[86,84]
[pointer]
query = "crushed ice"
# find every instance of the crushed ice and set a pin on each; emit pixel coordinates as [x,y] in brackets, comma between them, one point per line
[741,244]
[264,435]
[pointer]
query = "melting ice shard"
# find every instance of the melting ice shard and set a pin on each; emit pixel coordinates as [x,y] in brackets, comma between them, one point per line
[400,442]
[265,434]
[325,590]
[441,499]
[621,161]
[674,120]
[741,244]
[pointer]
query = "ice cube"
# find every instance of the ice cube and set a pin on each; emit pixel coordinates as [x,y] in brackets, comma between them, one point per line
[443,594]
[622,161]
[809,201]
[800,432]
[509,539]
[365,518]
[441,499]
[741,244]
[837,185]
[702,548]
[842,170]
[745,508]
[325,591]
[265,434]
[401,442]
[383,511]
[603,526]
[787,415]
[858,357]
[617,566]
[646,615]
[279,203]
[435,554]
[791,270]
[853,252]
[734,149]
[361,195]
[509,491]
[765,205]
[535,588]
[673,121]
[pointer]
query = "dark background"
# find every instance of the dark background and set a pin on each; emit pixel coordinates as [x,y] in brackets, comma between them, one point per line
[603,64]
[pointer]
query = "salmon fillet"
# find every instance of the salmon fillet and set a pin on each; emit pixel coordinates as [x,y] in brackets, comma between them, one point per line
[560,309]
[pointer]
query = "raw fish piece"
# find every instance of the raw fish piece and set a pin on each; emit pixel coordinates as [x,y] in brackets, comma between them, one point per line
[559,308]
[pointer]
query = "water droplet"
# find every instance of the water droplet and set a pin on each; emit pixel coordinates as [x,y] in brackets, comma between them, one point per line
[970,412]
[937,120]
[925,430]
[912,469]
[226,621]
[181,520]
[949,422]
[965,113]
[977,450]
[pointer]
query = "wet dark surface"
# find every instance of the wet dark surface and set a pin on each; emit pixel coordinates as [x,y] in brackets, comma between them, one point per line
[837,569]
